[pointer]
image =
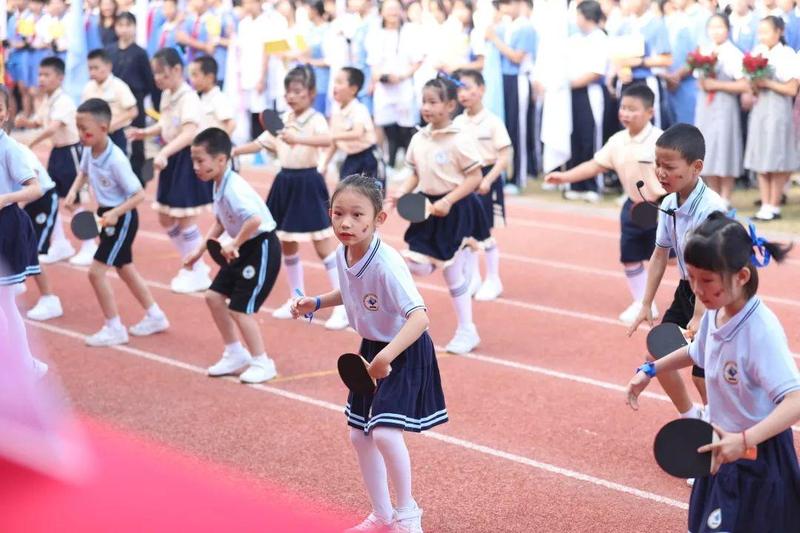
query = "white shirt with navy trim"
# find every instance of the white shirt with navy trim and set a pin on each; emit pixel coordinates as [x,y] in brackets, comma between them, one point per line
[110,175]
[674,232]
[45,181]
[749,368]
[14,167]
[235,201]
[378,291]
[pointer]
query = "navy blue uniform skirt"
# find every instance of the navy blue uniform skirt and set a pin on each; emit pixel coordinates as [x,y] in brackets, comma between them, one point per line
[635,244]
[441,237]
[180,192]
[493,203]
[410,398]
[761,496]
[299,201]
[363,163]
[62,165]
[18,256]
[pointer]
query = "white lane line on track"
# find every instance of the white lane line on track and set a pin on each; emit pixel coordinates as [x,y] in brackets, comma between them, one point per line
[435,435]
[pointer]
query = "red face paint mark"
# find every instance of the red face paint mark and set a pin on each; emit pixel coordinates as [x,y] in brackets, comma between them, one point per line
[88,135]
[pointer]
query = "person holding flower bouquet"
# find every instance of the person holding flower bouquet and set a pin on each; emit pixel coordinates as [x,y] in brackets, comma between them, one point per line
[717,114]
[771,149]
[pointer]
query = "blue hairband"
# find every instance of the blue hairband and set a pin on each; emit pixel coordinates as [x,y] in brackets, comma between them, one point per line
[445,76]
[759,244]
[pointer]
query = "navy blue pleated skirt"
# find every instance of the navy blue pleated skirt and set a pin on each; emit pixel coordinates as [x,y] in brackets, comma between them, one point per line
[180,191]
[18,254]
[365,163]
[751,496]
[441,237]
[299,201]
[410,398]
[493,203]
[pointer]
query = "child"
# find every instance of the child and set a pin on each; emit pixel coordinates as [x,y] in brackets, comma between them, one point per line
[771,149]
[19,48]
[352,129]
[494,146]
[18,183]
[181,196]
[623,153]
[53,29]
[298,198]
[753,385]
[191,33]
[445,163]
[107,170]
[220,22]
[217,109]
[57,118]
[239,289]
[37,50]
[385,308]
[679,162]
[104,85]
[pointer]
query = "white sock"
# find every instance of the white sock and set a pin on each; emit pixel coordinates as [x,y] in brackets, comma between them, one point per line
[331,270]
[459,290]
[392,445]
[17,335]
[59,238]
[174,234]
[637,281]
[420,269]
[261,359]
[154,311]
[492,262]
[693,412]
[471,266]
[294,271]
[190,240]
[88,244]
[373,470]
[114,323]
[235,348]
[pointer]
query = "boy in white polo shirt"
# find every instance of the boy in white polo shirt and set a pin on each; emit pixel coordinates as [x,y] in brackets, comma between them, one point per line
[217,108]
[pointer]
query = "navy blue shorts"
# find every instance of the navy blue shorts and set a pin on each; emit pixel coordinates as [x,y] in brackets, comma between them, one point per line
[62,165]
[248,280]
[299,201]
[116,242]
[410,398]
[364,163]
[179,187]
[43,213]
[18,257]
[494,203]
[761,496]
[635,244]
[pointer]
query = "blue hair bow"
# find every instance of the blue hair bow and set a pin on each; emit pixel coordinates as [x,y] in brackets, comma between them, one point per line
[454,81]
[758,245]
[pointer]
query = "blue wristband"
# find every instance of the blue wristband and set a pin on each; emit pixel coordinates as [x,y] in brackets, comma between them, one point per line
[649,368]
[317,303]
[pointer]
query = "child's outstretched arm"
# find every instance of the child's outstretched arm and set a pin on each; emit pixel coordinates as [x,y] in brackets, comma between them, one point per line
[655,271]
[503,160]
[181,141]
[306,304]
[470,184]
[676,360]
[30,191]
[585,170]
[415,325]
[72,195]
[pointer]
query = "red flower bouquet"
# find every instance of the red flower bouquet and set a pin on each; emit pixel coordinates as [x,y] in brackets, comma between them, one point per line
[704,66]
[755,67]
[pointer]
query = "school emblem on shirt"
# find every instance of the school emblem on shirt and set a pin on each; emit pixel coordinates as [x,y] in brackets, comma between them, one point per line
[41,218]
[715,518]
[441,158]
[731,373]
[371,302]
[248,272]
[105,182]
[110,231]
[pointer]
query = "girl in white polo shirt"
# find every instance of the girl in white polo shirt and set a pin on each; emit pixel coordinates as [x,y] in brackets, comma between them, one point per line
[752,382]
[385,308]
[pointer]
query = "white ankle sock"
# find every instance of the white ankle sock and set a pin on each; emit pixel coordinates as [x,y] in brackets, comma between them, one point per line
[174,234]
[190,240]
[636,277]
[235,348]
[331,270]
[88,244]
[458,285]
[294,271]
[114,323]
[693,412]
[59,237]
[154,311]
[373,470]
[492,262]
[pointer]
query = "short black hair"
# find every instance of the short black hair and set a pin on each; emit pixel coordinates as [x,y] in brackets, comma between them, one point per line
[591,10]
[97,108]
[471,73]
[444,86]
[208,65]
[215,141]
[302,74]
[168,57]
[99,53]
[365,185]
[55,63]
[126,16]
[684,139]
[641,92]
[355,77]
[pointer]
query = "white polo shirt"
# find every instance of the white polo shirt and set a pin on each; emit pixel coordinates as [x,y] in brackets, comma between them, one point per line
[46,183]
[235,201]
[673,232]
[378,291]
[110,175]
[15,170]
[748,365]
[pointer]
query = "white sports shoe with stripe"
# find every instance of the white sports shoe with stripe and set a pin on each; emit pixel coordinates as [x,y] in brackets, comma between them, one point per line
[372,524]
[408,520]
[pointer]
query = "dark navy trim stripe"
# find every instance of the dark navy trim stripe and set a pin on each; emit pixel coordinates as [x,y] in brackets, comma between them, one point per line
[369,259]
[742,321]
[414,309]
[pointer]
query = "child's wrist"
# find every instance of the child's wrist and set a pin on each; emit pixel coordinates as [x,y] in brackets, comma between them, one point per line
[317,303]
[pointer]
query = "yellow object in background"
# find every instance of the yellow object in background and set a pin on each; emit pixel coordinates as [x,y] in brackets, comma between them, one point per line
[277,47]
[26,27]
[152,113]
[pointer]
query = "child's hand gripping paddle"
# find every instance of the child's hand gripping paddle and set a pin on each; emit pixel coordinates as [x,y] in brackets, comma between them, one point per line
[354,374]
[664,339]
[215,251]
[271,121]
[414,207]
[644,215]
[85,225]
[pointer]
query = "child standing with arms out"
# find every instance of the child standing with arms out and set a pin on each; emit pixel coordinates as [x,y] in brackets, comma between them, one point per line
[446,165]
[298,198]
[217,109]
[753,385]
[107,170]
[385,308]
[628,153]
[254,257]
[494,146]
[679,162]
[181,196]
[771,149]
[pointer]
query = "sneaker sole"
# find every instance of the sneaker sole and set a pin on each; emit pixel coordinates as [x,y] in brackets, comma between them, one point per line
[253,382]
[137,334]
[46,318]
[106,345]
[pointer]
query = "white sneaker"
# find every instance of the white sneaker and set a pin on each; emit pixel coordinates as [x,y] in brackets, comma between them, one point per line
[230,363]
[108,337]
[57,252]
[284,312]
[192,281]
[338,319]
[372,524]
[408,521]
[20,288]
[632,312]
[39,368]
[178,280]
[690,482]
[464,341]
[261,369]
[46,308]
[592,197]
[85,256]
[490,290]
[149,325]
[512,190]
[573,195]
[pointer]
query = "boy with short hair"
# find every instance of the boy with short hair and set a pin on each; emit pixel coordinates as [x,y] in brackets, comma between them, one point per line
[253,255]
[118,192]
[629,153]
[217,109]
